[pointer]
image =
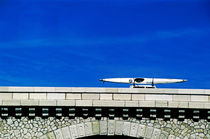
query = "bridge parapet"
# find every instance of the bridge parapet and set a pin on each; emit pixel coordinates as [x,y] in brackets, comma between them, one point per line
[146,113]
[103,97]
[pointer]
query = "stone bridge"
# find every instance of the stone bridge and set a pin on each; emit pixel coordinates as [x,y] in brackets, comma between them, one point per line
[68,113]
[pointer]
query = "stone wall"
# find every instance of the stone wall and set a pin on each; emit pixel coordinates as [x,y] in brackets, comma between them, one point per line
[65,128]
[101,97]
[195,100]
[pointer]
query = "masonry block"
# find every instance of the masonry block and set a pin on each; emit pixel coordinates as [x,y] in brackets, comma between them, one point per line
[141,131]
[207,105]
[119,127]
[181,97]
[106,96]
[178,104]
[84,102]
[199,98]
[138,97]
[37,96]
[156,133]
[74,132]
[5,96]
[47,103]
[95,127]
[103,127]
[149,132]
[90,96]
[111,127]
[51,135]
[81,130]
[134,129]
[146,103]
[126,128]
[122,96]
[10,102]
[88,129]
[199,105]
[131,103]
[66,102]
[20,96]
[73,96]
[159,103]
[56,96]
[66,132]
[158,97]
[29,102]
[106,103]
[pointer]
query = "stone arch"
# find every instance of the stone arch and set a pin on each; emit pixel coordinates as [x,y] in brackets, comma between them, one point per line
[86,128]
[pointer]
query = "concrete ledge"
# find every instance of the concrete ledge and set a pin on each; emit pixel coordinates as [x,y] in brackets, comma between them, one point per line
[4,89]
[63,89]
[44,89]
[20,89]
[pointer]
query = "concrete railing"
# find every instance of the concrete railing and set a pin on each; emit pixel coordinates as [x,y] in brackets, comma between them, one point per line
[104,97]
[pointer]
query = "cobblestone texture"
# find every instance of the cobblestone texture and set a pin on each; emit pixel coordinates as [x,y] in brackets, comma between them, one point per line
[12,128]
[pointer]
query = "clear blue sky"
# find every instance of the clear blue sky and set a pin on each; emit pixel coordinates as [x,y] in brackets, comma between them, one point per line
[76,42]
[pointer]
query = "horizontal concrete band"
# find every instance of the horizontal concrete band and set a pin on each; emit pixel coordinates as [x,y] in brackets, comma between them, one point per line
[104,90]
[116,97]
[106,103]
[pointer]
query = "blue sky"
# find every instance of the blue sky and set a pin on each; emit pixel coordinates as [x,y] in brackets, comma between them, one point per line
[76,42]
